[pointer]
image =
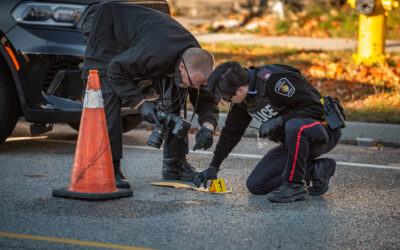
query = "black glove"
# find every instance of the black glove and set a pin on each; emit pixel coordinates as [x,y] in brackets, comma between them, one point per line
[148,112]
[209,174]
[269,126]
[204,138]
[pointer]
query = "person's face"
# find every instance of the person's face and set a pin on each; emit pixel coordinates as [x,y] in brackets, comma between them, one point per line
[191,80]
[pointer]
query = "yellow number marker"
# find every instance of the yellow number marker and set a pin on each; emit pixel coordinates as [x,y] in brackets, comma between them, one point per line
[217,186]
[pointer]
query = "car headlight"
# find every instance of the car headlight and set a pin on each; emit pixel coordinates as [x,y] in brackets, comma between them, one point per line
[51,14]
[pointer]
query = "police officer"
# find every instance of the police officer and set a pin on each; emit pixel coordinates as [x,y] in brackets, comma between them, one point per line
[144,56]
[290,110]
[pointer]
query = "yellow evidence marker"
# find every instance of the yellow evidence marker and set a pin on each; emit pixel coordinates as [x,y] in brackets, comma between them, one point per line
[217,186]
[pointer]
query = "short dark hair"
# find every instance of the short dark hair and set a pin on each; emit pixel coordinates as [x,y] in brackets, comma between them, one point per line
[227,78]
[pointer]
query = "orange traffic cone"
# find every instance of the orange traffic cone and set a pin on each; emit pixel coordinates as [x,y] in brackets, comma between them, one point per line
[92,174]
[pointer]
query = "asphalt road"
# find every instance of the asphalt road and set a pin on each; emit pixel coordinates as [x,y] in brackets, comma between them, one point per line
[360,211]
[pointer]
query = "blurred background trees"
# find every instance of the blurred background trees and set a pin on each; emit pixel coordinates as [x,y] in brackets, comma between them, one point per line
[369,92]
[315,18]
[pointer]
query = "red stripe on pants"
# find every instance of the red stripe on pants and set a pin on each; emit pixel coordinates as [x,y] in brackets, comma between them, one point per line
[297,146]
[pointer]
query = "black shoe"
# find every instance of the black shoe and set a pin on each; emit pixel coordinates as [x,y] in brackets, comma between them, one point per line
[178,169]
[188,172]
[287,192]
[321,171]
[120,180]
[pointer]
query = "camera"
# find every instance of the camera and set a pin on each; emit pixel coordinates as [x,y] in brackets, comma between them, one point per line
[178,125]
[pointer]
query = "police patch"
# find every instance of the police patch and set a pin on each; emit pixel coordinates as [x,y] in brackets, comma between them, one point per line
[284,87]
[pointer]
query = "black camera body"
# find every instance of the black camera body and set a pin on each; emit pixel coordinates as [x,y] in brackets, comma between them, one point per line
[178,125]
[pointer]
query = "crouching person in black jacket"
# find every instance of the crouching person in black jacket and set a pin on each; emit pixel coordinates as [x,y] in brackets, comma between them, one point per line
[148,61]
[291,111]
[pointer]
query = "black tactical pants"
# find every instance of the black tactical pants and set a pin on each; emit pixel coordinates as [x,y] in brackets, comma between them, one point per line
[305,140]
[173,146]
[112,109]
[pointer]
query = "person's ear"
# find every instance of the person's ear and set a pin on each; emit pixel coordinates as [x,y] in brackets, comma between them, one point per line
[181,66]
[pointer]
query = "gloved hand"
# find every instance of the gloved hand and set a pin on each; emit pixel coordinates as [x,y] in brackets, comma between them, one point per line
[204,138]
[148,112]
[269,126]
[209,174]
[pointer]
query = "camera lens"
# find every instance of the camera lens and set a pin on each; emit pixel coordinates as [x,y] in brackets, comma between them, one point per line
[156,137]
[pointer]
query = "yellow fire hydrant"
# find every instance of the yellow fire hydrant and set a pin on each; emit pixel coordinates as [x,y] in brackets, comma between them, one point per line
[372,29]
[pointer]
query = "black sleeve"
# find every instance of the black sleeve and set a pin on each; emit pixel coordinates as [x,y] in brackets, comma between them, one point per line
[235,125]
[207,107]
[134,63]
[304,102]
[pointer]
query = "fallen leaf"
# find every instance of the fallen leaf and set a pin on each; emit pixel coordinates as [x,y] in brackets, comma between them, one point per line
[131,216]
[171,184]
[33,175]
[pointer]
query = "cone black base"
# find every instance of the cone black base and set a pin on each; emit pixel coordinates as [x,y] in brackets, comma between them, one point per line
[65,193]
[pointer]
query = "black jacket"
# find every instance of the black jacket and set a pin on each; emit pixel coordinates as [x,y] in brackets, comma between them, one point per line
[275,90]
[129,42]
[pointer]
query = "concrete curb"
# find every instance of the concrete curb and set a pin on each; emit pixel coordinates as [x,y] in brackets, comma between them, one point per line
[381,133]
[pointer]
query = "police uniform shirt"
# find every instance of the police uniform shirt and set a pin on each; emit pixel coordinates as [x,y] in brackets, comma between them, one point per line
[277,90]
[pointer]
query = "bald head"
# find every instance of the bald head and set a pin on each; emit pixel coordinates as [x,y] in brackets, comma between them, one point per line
[199,63]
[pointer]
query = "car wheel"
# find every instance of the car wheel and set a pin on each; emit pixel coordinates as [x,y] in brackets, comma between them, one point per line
[128,123]
[9,105]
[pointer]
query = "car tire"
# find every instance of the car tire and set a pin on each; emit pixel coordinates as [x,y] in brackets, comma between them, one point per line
[128,123]
[9,104]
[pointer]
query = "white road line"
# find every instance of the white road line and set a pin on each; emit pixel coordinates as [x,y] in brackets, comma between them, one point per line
[252,156]
[363,165]
[261,156]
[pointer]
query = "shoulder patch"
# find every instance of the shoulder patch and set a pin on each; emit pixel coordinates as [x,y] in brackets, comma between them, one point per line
[284,87]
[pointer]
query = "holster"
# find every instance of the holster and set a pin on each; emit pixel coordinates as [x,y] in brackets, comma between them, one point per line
[333,113]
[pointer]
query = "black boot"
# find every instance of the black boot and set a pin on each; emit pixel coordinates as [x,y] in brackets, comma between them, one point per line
[178,169]
[120,179]
[188,172]
[287,192]
[321,171]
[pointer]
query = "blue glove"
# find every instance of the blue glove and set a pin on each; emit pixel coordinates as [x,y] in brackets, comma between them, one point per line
[204,138]
[268,127]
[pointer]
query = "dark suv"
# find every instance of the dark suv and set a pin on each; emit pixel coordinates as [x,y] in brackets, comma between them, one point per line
[41,56]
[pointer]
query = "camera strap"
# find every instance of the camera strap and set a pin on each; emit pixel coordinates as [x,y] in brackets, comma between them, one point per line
[195,106]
